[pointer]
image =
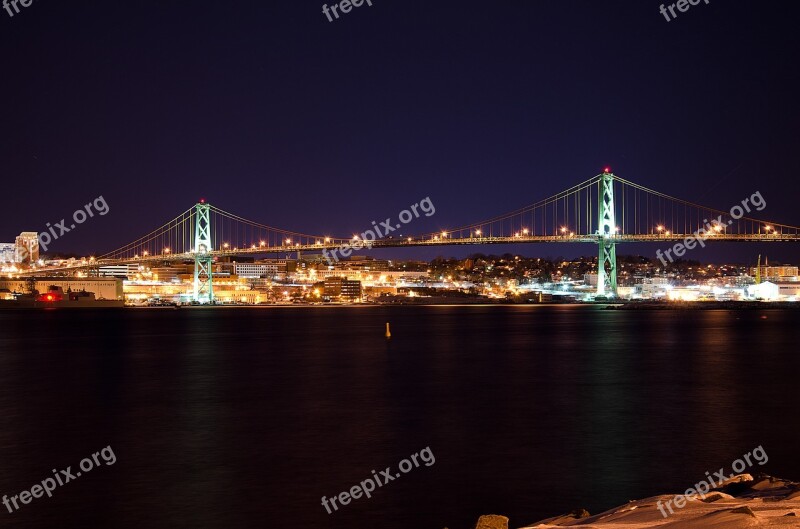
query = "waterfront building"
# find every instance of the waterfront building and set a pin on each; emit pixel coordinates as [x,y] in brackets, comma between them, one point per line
[766,291]
[102,288]
[342,289]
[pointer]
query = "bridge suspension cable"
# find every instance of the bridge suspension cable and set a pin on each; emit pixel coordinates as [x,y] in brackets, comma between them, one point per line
[175,236]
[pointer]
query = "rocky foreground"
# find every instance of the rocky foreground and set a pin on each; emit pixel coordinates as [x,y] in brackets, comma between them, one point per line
[743,501]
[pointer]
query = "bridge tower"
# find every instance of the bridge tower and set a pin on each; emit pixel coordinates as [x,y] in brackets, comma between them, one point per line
[203,261]
[607,233]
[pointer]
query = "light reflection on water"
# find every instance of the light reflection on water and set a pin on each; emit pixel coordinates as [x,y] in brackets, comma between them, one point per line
[238,417]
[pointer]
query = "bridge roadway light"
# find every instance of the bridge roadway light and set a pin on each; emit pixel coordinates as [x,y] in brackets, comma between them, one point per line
[327,239]
[145,253]
[659,229]
[478,232]
[166,250]
[563,229]
[444,234]
[226,245]
[288,241]
[525,231]
[768,228]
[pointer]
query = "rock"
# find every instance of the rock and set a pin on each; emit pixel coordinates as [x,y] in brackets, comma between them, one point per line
[492,521]
[744,510]
[711,497]
[579,513]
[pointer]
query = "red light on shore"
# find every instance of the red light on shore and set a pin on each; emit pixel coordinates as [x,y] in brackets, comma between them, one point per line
[49,297]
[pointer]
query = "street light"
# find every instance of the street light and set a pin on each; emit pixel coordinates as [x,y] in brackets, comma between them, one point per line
[166,250]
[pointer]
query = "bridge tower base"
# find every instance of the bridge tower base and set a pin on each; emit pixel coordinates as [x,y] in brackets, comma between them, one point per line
[203,262]
[607,233]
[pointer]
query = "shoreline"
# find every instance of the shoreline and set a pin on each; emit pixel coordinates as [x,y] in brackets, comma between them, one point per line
[742,501]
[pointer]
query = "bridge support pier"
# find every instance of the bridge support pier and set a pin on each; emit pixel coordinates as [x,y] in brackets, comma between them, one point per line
[607,233]
[203,262]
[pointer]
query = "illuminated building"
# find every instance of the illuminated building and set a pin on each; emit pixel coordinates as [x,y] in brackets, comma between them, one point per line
[774,272]
[8,252]
[102,288]
[27,247]
[342,288]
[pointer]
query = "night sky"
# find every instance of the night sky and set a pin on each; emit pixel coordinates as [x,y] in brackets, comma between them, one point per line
[268,110]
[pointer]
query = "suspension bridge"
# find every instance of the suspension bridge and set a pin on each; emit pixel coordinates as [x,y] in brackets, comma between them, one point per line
[605,210]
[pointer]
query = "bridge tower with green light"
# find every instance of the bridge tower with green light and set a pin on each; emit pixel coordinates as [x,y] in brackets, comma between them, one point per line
[203,260]
[606,236]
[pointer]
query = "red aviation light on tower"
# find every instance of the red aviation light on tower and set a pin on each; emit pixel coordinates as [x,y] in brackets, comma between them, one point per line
[607,170]
[202,201]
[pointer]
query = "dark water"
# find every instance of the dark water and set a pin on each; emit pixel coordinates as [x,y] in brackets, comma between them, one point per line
[246,417]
